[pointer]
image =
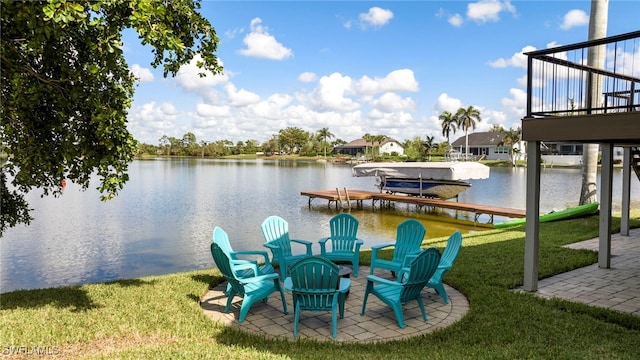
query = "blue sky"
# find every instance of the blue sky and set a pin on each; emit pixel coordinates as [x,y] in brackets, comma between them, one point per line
[356,67]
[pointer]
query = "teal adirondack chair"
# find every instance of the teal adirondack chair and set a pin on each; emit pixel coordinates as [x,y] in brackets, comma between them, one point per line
[316,286]
[250,289]
[276,235]
[409,236]
[221,238]
[343,244]
[408,285]
[449,255]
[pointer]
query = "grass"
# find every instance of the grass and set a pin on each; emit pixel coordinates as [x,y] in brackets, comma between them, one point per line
[160,317]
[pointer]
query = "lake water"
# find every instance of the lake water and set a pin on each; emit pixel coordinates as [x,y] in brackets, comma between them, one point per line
[163,220]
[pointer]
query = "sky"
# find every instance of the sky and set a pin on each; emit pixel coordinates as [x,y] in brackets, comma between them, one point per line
[356,67]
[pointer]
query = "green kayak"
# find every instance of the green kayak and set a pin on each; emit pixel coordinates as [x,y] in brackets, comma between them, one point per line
[568,213]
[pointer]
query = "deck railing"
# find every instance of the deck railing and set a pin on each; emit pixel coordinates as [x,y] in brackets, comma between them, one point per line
[561,81]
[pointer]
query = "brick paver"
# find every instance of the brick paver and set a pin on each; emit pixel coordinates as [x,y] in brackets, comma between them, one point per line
[377,324]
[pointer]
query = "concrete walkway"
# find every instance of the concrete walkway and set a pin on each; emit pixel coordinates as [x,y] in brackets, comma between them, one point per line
[616,288]
[377,324]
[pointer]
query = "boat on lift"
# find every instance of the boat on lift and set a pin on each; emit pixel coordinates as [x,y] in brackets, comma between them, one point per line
[442,180]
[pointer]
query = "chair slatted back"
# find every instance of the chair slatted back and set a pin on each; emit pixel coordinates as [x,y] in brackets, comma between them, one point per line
[409,236]
[315,283]
[223,262]
[451,250]
[344,229]
[276,230]
[221,238]
[420,271]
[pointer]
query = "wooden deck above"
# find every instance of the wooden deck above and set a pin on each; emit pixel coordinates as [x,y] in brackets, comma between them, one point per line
[343,199]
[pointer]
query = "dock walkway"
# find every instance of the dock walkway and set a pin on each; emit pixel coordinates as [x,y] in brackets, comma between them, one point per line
[343,198]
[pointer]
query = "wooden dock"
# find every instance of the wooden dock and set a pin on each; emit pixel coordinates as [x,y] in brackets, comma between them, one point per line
[343,198]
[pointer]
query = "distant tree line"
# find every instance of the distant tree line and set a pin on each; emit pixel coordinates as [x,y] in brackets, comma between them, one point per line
[291,140]
[296,141]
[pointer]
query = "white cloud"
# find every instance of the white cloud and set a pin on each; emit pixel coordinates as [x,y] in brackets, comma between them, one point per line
[447,103]
[392,102]
[389,123]
[574,18]
[456,20]
[188,76]
[142,74]
[522,81]
[307,77]
[376,17]
[263,45]
[150,121]
[241,97]
[397,80]
[490,118]
[517,103]
[272,108]
[206,110]
[518,59]
[488,10]
[331,93]
[627,63]
[232,33]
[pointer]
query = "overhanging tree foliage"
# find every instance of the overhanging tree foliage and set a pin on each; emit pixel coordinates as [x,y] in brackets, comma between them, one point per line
[66,89]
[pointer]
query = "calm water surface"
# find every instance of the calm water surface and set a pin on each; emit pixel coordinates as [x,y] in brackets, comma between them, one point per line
[162,221]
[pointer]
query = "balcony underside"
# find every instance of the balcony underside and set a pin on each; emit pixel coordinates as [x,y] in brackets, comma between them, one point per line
[618,128]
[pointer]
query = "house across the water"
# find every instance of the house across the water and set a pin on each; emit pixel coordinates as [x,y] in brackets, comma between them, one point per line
[360,147]
[486,146]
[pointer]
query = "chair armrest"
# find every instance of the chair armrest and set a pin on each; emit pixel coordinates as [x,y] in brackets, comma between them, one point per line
[323,245]
[408,258]
[359,242]
[381,246]
[345,285]
[245,264]
[376,248]
[306,243]
[303,242]
[288,284]
[259,278]
[402,273]
[373,278]
[253,252]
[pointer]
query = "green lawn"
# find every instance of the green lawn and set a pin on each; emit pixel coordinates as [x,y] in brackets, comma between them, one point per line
[160,318]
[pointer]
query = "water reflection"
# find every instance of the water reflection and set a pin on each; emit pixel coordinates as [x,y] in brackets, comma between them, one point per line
[163,219]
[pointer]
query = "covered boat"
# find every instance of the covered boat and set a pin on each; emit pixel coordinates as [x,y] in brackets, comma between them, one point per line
[443,180]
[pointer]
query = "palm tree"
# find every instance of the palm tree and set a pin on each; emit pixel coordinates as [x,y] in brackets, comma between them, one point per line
[449,124]
[378,141]
[595,59]
[428,145]
[510,138]
[467,119]
[368,138]
[324,133]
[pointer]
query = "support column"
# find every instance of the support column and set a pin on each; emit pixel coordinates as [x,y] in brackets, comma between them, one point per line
[606,190]
[626,191]
[532,225]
